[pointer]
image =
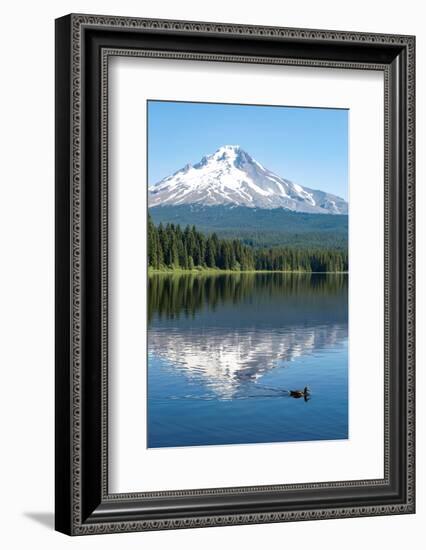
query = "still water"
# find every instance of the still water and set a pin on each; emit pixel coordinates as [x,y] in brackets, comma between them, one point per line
[223,351]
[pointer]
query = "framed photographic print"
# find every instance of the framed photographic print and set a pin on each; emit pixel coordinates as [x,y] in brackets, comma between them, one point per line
[234,274]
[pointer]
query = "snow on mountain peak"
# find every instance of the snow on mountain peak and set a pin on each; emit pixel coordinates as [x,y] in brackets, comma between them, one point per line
[228,149]
[230,176]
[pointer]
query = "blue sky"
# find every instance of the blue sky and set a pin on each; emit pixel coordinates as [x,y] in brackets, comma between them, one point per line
[306,145]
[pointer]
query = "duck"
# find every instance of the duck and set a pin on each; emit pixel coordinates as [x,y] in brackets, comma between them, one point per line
[299,393]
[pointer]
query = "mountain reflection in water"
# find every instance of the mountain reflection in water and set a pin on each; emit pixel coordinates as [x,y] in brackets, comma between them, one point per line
[233,336]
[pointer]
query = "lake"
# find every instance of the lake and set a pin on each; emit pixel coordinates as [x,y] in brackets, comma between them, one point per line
[225,349]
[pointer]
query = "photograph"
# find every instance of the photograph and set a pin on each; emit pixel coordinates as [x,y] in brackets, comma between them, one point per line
[209,302]
[234,273]
[248,268]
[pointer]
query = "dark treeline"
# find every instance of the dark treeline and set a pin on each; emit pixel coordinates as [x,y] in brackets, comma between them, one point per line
[171,247]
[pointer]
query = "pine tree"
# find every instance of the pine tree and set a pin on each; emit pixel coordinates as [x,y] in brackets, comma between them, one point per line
[210,253]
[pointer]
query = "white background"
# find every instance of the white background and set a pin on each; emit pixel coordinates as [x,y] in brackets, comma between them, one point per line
[132,81]
[26,306]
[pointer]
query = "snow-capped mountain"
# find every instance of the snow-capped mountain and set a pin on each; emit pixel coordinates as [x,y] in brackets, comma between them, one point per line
[230,176]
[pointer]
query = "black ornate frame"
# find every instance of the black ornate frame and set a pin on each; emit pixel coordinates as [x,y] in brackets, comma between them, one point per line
[83,45]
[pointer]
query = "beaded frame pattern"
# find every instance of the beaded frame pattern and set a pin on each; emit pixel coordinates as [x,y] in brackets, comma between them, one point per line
[79,22]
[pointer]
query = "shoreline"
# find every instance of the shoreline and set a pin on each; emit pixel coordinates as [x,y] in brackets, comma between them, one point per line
[208,271]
